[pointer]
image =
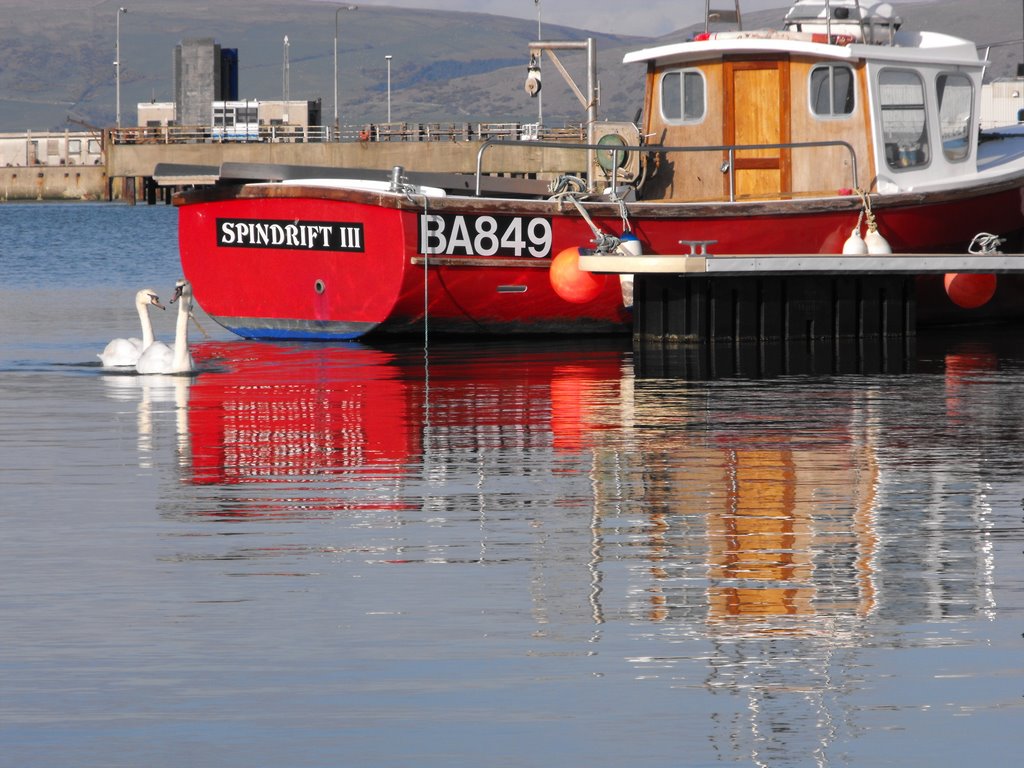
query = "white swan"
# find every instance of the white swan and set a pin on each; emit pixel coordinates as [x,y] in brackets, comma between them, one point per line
[159,357]
[120,353]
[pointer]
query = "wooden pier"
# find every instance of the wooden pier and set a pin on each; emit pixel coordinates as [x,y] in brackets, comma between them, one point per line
[700,297]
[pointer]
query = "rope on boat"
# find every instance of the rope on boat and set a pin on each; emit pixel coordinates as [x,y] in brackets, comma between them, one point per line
[195,320]
[624,215]
[568,188]
[567,185]
[400,184]
[985,243]
[867,213]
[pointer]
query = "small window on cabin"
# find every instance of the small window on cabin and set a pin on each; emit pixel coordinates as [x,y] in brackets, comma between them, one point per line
[75,146]
[682,96]
[956,114]
[94,146]
[832,90]
[904,119]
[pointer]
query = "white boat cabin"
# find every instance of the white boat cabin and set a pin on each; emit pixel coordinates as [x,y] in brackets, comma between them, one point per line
[840,97]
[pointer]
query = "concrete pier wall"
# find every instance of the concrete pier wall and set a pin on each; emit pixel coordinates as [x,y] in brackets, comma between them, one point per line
[40,182]
[453,157]
[128,166]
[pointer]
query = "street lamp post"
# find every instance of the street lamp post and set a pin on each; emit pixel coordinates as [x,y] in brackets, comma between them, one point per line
[285,76]
[337,126]
[117,64]
[388,60]
[540,96]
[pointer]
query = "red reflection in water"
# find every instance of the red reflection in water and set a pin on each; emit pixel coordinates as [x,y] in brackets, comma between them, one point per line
[264,411]
[962,366]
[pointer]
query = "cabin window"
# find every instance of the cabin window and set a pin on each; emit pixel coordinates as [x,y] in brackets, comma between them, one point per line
[832,90]
[904,120]
[956,114]
[75,146]
[682,96]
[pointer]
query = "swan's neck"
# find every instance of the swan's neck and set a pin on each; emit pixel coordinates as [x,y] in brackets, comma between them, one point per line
[181,356]
[147,324]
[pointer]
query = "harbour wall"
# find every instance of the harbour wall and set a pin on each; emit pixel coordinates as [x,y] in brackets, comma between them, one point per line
[40,182]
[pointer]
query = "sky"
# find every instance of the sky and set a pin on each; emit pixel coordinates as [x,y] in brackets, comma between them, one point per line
[641,17]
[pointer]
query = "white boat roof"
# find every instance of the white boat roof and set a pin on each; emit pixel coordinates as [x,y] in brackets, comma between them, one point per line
[909,47]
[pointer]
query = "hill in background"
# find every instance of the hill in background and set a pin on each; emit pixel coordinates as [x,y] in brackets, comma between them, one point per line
[56,58]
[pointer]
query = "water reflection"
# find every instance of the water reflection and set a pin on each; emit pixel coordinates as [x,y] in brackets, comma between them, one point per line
[153,395]
[756,534]
[787,523]
[760,505]
[767,360]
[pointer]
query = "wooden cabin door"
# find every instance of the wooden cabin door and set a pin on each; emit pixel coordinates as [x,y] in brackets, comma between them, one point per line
[757,111]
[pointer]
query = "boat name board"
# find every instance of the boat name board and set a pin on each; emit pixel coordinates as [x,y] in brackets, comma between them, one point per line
[291,234]
[484,235]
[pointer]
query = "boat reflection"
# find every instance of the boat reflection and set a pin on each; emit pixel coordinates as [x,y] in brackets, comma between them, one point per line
[759,526]
[785,519]
[283,413]
[764,499]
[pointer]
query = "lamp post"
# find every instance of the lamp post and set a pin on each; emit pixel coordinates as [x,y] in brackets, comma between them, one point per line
[540,96]
[117,64]
[284,78]
[387,58]
[340,8]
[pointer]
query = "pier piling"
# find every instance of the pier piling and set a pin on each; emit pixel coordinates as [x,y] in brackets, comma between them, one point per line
[772,308]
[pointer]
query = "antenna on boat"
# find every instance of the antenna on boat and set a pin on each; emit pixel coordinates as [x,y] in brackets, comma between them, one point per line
[721,16]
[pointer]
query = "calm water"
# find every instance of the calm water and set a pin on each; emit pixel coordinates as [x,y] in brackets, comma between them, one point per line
[494,554]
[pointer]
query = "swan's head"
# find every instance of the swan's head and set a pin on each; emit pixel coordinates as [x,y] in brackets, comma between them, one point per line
[182,291]
[148,296]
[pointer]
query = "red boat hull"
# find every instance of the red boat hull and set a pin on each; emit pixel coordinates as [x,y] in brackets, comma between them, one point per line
[261,264]
[280,292]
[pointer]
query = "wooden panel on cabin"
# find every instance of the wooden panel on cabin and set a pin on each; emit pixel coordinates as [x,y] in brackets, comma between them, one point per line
[757,111]
[757,118]
[687,176]
[826,170]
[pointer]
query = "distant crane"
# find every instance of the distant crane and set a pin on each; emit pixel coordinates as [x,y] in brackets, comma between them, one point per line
[94,131]
[87,125]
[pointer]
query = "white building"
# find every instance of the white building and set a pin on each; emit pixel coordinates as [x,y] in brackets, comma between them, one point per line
[1002,102]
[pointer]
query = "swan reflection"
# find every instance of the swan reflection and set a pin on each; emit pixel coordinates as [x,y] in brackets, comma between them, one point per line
[155,395]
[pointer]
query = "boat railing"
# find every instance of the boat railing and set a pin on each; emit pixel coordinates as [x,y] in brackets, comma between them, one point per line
[728,166]
[846,15]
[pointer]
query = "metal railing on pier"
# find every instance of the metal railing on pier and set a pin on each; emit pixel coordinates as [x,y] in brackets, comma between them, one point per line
[375,132]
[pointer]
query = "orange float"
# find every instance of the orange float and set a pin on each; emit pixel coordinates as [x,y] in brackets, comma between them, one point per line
[572,283]
[970,290]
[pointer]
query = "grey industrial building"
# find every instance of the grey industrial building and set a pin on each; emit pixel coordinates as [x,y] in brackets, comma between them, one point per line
[203,73]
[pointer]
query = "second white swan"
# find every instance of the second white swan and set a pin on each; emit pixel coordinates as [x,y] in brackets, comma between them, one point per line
[159,357]
[122,353]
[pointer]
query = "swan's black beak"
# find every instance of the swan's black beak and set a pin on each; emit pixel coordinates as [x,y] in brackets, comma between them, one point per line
[155,301]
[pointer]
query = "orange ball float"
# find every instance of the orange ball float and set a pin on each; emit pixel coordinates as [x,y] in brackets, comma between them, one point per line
[572,283]
[969,290]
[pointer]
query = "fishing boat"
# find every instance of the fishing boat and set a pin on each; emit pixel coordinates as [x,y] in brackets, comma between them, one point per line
[840,132]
